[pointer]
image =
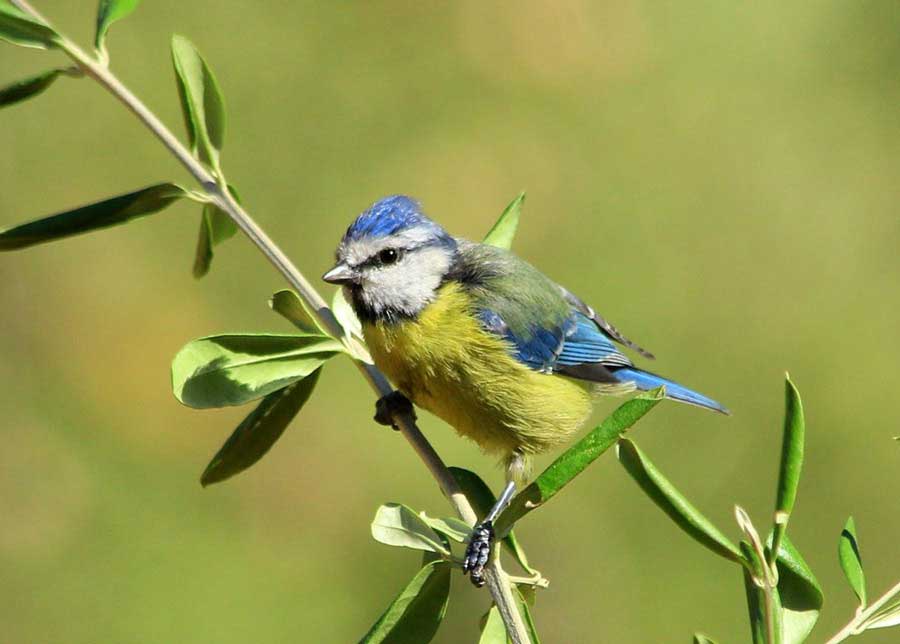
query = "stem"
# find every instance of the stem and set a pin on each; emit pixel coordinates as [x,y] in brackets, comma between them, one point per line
[769,612]
[499,585]
[218,192]
[862,616]
[769,580]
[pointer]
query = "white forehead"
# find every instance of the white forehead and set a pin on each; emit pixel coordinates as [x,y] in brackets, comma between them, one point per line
[357,251]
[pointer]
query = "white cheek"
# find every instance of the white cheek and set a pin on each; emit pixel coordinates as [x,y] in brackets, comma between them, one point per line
[410,285]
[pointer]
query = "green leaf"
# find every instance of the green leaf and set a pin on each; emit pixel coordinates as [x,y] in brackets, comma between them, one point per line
[523,605]
[482,499]
[755,605]
[398,525]
[108,12]
[673,503]
[215,228]
[493,631]
[889,613]
[576,459]
[756,597]
[886,619]
[258,432]
[201,100]
[102,214]
[700,638]
[28,87]
[799,591]
[21,29]
[791,459]
[353,335]
[752,561]
[416,613]
[851,561]
[502,233]
[224,370]
[345,315]
[528,593]
[288,304]
[451,527]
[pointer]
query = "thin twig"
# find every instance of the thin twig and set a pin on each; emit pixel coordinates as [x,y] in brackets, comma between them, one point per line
[498,583]
[862,616]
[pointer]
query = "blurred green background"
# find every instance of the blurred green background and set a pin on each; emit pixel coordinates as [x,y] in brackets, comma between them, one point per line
[719,179]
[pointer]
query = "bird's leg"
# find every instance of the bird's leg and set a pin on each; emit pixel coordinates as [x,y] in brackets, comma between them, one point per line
[482,540]
[478,552]
[389,407]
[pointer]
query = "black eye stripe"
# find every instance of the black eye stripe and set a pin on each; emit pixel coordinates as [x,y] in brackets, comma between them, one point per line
[384,257]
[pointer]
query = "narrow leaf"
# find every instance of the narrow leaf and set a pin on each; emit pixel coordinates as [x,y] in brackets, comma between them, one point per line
[289,305]
[493,631]
[28,87]
[885,621]
[102,214]
[528,593]
[259,431]
[345,315]
[755,605]
[761,570]
[889,614]
[851,561]
[215,227]
[353,335]
[888,611]
[451,527]
[673,503]
[224,370]
[398,525]
[504,230]
[791,459]
[482,499]
[752,562]
[108,12]
[756,600]
[416,613]
[700,638]
[201,100]
[21,29]
[576,459]
[523,605]
[799,592]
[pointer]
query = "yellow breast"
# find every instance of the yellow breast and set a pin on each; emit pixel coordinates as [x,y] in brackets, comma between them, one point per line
[445,362]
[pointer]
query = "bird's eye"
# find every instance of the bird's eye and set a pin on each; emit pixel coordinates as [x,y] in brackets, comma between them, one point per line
[388,256]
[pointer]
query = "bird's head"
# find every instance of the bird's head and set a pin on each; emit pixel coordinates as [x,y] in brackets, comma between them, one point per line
[392,259]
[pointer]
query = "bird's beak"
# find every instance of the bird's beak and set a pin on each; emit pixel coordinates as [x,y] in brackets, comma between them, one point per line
[340,274]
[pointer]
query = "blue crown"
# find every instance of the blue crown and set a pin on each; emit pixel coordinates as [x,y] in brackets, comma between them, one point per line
[389,216]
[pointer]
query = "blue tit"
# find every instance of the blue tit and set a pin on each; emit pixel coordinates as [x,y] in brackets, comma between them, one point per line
[483,340]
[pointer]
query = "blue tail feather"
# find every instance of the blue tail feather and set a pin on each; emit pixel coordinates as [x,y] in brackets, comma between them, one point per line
[645,381]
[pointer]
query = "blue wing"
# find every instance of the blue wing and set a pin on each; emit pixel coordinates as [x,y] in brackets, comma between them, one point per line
[578,348]
[566,347]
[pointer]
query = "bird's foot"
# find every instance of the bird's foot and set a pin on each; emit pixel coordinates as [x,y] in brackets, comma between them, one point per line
[389,407]
[478,552]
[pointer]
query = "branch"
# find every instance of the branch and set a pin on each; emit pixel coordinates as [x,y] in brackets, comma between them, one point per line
[857,624]
[222,198]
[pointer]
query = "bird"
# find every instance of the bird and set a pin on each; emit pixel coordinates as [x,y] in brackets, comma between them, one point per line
[483,340]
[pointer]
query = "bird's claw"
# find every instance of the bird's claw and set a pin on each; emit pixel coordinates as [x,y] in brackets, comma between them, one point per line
[389,407]
[478,552]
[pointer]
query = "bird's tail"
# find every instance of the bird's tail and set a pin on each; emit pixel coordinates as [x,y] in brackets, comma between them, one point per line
[645,381]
